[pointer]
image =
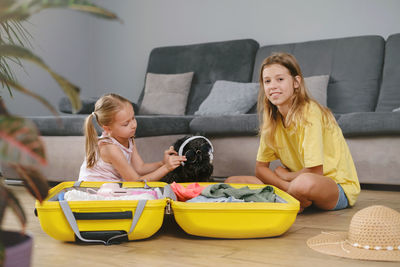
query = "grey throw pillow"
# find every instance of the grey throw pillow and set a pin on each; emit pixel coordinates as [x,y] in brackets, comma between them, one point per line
[229,98]
[396,109]
[64,105]
[166,94]
[318,86]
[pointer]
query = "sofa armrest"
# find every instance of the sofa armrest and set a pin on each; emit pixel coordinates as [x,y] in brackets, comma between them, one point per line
[64,105]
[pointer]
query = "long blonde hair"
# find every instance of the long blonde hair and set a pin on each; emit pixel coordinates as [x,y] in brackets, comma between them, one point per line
[269,114]
[104,111]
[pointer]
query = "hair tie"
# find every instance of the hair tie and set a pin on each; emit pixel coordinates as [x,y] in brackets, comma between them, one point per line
[95,116]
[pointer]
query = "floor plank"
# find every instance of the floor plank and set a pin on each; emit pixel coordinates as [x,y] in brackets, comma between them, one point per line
[171,246]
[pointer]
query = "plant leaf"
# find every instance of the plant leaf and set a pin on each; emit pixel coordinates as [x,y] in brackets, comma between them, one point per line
[15,205]
[22,135]
[12,32]
[71,90]
[86,6]
[2,254]
[3,109]
[24,10]
[23,90]
[34,181]
[7,198]
[3,202]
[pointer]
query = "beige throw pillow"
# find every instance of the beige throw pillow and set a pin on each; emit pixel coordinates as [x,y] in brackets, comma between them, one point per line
[318,87]
[166,94]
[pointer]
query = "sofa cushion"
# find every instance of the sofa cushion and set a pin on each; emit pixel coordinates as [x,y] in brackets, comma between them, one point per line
[370,123]
[197,94]
[64,105]
[229,98]
[72,125]
[237,125]
[337,116]
[68,125]
[317,86]
[228,60]
[389,96]
[166,94]
[354,65]
[162,125]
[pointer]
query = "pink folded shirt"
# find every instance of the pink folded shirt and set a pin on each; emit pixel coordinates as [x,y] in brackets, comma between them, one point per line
[188,192]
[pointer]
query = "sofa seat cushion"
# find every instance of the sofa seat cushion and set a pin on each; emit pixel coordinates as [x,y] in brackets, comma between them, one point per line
[154,125]
[72,125]
[370,123]
[228,125]
[64,125]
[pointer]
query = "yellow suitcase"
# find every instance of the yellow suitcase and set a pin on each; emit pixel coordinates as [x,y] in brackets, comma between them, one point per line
[106,221]
[237,220]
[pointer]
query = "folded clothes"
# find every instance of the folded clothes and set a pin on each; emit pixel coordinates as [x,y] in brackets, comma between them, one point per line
[78,195]
[115,190]
[219,199]
[265,194]
[185,193]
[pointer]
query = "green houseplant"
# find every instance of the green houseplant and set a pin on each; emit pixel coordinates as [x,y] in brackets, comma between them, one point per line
[20,144]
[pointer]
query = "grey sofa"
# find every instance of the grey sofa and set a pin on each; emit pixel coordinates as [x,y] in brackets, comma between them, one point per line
[363,89]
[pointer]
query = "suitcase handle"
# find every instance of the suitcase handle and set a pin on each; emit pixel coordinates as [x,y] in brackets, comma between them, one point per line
[102,215]
[102,235]
[72,221]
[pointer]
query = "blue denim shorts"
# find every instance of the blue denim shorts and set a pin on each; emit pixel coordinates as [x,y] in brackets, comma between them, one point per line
[342,202]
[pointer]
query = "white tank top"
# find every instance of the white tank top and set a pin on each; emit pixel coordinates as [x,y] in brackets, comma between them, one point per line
[103,171]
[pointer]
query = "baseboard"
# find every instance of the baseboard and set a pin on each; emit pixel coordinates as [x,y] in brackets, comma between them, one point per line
[381,187]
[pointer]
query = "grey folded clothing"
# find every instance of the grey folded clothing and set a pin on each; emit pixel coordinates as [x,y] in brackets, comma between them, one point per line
[265,194]
[200,199]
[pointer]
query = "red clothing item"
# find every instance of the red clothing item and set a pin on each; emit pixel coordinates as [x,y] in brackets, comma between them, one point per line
[188,192]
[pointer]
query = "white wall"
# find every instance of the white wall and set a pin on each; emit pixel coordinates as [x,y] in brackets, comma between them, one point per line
[63,39]
[103,56]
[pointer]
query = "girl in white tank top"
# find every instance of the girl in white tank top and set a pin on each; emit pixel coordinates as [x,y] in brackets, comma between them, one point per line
[104,171]
[113,156]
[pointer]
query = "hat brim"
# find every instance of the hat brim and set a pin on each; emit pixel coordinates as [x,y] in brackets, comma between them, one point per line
[334,243]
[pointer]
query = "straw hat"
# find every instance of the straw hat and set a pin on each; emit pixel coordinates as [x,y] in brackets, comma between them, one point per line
[374,234]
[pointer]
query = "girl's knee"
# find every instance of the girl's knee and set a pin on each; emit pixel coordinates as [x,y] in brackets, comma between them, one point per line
[303,185]
[243,180]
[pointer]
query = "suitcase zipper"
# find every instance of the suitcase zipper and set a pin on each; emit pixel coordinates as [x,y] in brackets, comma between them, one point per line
[168,207]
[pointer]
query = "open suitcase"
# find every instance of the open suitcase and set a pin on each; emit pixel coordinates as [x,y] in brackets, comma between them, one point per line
[105,221]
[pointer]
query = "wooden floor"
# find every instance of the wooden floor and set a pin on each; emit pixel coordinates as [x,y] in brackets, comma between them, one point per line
[172,247]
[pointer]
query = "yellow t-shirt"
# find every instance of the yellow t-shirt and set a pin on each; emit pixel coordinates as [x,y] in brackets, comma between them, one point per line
[311,144]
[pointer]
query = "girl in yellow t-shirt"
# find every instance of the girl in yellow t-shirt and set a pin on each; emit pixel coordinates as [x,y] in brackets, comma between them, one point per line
[304,136]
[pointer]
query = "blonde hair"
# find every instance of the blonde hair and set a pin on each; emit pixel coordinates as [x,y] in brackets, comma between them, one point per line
[104,111]
[269,114]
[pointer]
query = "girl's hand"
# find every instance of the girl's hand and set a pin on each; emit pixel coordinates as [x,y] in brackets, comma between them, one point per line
[283,173]
[168,153]
[174,161]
